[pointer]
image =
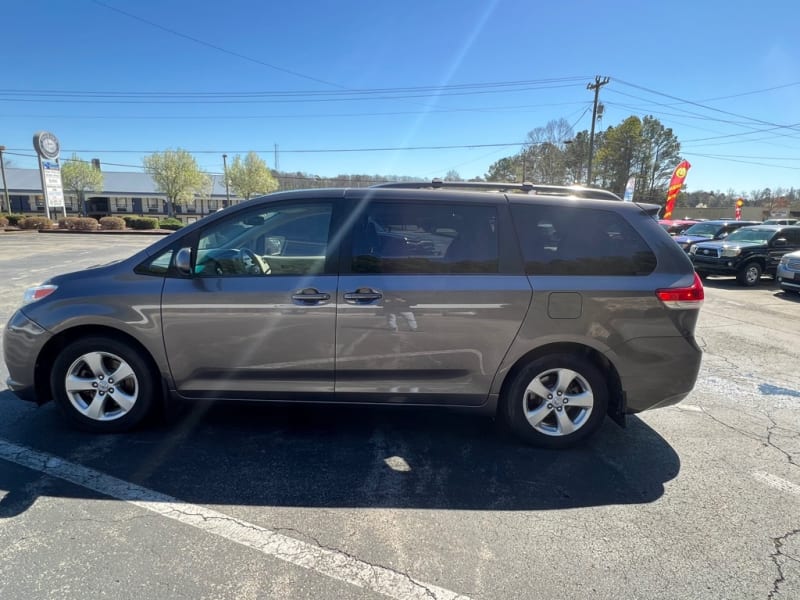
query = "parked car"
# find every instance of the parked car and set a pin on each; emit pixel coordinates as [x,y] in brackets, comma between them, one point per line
[676,226]
[709,230]
[781,222]
[746,253]
[551,310]
[788,272]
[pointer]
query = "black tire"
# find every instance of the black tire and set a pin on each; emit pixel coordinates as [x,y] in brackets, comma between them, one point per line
[95,402]
[547,433]
[750,274]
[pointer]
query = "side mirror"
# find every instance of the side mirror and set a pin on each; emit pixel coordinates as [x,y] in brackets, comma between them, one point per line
[780,242]
[183,261]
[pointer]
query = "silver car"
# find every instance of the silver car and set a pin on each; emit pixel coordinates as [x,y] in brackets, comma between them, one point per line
[788,272]
[550,309]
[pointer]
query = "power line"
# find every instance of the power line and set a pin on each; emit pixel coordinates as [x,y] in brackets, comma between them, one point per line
[290,93]
[216,47]
[706,107]
[281,100]
[301,151]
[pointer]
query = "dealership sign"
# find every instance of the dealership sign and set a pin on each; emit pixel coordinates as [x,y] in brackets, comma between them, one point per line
[48,148]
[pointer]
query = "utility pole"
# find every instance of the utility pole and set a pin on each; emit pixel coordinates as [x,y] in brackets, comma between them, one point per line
[5,182]
[225,169]
[598,83]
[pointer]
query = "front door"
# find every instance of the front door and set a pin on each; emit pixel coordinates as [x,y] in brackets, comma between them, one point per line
[256,320]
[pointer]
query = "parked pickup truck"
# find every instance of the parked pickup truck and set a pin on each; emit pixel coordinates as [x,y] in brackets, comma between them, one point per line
[747,253]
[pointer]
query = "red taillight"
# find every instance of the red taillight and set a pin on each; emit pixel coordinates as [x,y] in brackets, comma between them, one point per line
[683,297]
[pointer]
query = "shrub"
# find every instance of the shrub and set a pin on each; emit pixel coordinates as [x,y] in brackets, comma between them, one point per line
[142,223]
[172,224]
[35,223]
[112,223]
[128,219]
[14,219]
[86,224]
[3,221]
[68,223]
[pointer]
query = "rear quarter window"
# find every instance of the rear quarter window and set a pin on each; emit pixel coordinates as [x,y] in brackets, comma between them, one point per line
[574,240]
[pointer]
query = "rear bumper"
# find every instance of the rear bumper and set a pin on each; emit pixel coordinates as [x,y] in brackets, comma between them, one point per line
[657,371]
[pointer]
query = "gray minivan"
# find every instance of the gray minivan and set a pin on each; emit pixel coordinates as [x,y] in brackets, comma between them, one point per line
[551,309]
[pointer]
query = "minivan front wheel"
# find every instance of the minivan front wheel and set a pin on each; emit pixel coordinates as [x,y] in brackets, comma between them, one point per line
[102,385]
[556,401]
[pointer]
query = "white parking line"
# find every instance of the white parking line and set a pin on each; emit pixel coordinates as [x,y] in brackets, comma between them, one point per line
[777,482]
[332,563]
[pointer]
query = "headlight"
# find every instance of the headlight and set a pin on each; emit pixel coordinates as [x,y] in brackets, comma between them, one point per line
[784,262]
[693,250]
[731,252]
[37,293]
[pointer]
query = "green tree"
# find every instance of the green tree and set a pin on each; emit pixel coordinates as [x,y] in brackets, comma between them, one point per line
[505,170]
[620,155]
[176,174]
[545,153]
[251,176]
[79,177]
[659,155]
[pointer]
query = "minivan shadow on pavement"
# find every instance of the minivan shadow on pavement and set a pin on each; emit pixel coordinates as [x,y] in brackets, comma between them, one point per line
[345,457]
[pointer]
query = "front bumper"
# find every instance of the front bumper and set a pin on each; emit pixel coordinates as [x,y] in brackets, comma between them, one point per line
[714,265]
[23,341]
[788,279]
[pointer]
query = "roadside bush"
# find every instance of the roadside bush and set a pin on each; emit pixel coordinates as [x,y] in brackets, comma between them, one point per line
[142,222]
[68,223]
[78,223]
[35,223]
[172,224]
[128,219]
[115,223]
[14,219]
[86,224]
[3,221]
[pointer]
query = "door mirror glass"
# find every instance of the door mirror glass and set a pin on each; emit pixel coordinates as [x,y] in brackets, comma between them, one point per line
[183,261]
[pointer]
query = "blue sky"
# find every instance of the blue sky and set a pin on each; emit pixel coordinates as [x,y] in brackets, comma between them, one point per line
[205,76]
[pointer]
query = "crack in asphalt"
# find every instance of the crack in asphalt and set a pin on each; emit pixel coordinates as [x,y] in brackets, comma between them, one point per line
[301,534]
[375,568]
[766,441]
[779,542]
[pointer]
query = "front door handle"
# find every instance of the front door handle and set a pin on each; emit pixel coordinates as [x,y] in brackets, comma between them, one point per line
[363,295]
[310,296]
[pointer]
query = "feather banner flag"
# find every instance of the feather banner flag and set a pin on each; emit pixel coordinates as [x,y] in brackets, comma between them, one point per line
[675,185]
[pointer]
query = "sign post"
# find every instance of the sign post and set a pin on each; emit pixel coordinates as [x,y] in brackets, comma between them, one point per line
[47,148]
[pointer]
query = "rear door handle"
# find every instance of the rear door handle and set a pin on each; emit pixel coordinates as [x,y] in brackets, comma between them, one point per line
[310,296]
[363,295]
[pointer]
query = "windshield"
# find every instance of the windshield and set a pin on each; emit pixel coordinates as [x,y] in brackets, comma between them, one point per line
[706,230]
[755,235]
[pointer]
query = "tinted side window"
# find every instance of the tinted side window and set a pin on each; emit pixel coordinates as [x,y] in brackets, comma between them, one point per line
[395,237]
[792,236]
[270,240]
[567,240]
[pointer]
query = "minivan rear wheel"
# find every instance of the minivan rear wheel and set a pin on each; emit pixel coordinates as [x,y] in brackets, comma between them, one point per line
[556,401]
[102,385]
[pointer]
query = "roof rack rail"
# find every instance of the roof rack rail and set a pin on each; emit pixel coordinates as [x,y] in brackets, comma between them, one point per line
[499,186]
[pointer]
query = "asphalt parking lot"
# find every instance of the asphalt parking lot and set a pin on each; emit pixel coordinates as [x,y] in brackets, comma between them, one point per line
[701,500]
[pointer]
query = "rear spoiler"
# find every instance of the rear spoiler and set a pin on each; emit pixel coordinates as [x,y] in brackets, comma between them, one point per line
[650,209]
